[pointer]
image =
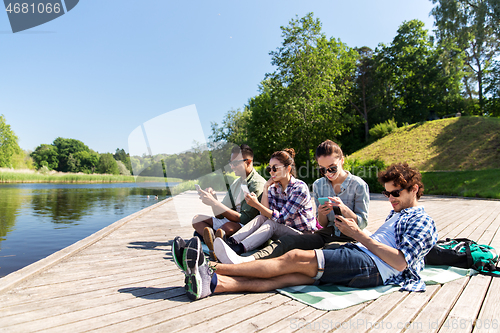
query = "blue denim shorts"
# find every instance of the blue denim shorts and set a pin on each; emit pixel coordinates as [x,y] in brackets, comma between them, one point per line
[348,266]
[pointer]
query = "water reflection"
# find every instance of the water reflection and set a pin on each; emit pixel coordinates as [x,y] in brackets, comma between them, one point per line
[39,219]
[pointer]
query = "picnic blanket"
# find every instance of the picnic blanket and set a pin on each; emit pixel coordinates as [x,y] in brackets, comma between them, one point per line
[333,297]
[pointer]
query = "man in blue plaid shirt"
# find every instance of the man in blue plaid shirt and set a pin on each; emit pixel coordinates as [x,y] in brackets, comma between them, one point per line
[394,254]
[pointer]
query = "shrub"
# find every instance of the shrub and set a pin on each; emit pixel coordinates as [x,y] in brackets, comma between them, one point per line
[380,130]
[122,168]
[44,170]
[216,181]
[368,170]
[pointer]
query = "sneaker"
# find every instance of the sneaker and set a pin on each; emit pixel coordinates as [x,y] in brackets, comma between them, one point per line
[178,247]
[220,234]
[193,255]
[226,255]
[208,237]
[200,273]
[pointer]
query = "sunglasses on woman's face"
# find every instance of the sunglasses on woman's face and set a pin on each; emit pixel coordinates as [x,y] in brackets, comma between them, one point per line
[394,193]
[332,169]
[273,168]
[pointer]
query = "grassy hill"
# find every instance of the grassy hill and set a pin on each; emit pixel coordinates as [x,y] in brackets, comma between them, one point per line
[464,143]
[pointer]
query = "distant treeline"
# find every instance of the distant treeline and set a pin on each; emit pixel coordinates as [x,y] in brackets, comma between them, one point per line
[71,155]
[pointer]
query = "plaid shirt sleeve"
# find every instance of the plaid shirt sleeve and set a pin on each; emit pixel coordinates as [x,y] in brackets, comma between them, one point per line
[293,213]
[416,234]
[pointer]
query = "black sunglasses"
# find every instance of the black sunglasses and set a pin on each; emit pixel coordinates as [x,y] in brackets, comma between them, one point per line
[274,168]
[237,162]
[332,169]
[394,193]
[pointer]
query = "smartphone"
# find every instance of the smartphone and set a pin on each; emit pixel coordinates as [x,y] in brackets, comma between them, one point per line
[324,200]
[337,211]
[197,187]
[245,189]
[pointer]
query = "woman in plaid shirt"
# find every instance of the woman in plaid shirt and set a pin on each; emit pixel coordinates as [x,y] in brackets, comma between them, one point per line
[285,208]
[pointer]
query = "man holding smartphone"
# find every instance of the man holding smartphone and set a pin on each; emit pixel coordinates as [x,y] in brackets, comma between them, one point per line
[233,212]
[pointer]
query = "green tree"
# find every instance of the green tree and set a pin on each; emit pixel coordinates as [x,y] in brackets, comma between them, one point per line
[234,127]
[107,164]
[121,155]
[8,143]
[412,72]
[86,161]
[68,149]
[474,27]
[363,95]
[46,155]
[307,92]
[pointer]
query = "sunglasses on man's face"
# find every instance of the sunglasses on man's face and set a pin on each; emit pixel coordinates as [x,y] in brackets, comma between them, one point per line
[332,169]
[394,193]
[273,168]
[237,162]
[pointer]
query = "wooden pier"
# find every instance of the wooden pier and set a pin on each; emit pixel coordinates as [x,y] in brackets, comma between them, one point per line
[122,279]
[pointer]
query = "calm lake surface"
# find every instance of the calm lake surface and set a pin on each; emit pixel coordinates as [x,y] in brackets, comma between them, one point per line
[37,220]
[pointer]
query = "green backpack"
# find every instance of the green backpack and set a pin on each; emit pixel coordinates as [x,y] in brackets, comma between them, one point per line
[464,253]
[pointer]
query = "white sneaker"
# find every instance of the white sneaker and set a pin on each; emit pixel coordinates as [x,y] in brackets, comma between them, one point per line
[226,255]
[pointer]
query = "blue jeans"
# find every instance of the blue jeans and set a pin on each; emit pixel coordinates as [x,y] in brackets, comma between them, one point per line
[349,266]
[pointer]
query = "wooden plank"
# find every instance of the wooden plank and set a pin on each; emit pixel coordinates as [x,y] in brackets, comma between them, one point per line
[435,312]
[466,309]
[402,316]
[228,320]
[75,292]
[148,316]
[323,321]
[289,323]
[57,312]
[370,315]
[256,323]
[213,315]
[489,317]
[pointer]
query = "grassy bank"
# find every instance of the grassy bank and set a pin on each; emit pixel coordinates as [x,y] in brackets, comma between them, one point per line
[478,183]
[29,176]
[463,143]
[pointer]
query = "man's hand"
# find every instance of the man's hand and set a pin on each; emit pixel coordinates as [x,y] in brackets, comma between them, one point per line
[207,197]
[348,227]
[212,192]
[251,199]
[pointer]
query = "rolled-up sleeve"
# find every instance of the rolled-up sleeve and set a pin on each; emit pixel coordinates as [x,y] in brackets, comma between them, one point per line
[361,204]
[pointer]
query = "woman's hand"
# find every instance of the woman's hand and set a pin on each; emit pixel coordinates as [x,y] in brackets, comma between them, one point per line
[336,201]
[252,200]
[269,182]
[325,208]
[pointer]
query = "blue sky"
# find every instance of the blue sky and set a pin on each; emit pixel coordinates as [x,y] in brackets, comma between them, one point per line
[105,68]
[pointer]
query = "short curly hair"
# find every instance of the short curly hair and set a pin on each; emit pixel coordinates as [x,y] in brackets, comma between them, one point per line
[403,175]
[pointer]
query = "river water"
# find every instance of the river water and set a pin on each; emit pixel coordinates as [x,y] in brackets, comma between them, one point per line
[37,220]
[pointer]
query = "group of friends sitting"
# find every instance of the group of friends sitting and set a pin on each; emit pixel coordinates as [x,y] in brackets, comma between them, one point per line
[281,209]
